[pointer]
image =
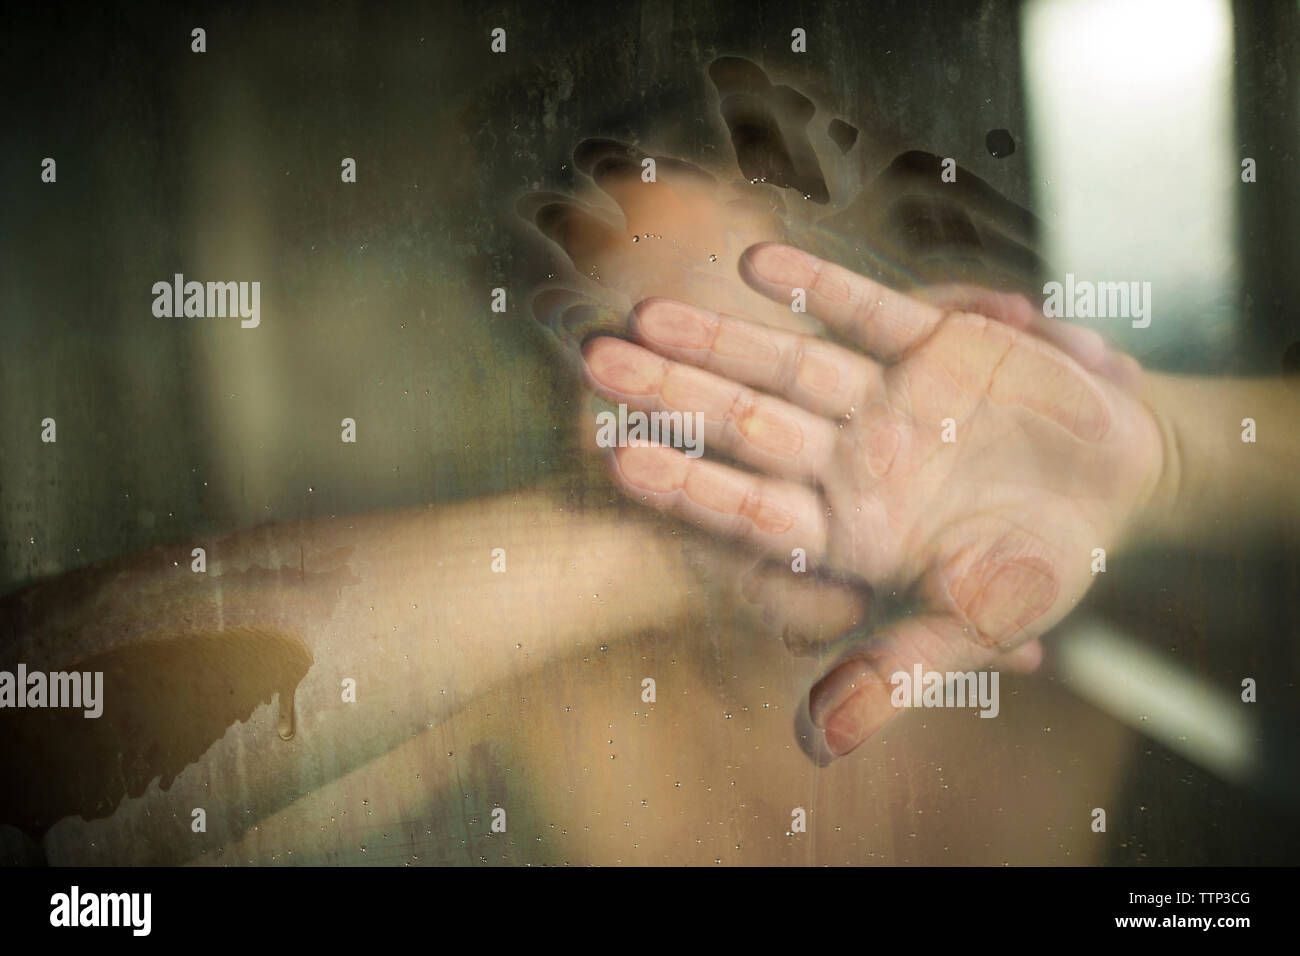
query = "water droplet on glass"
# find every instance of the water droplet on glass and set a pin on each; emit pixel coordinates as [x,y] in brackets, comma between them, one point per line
[284,726]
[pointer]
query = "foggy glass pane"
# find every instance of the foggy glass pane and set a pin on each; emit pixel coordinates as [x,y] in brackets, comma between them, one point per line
[332,350]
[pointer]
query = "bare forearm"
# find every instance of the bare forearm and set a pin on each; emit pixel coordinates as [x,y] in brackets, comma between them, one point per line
[1218,488]
[406,605]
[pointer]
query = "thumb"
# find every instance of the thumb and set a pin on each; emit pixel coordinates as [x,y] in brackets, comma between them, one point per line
[854,699]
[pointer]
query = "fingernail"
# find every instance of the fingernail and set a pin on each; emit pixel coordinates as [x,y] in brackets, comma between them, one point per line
[811,739]
[608,361]
[853,722]
[771,519]
[836,687]
[772,433]
[776,263]
[849,704]
[675,325]
[648,468]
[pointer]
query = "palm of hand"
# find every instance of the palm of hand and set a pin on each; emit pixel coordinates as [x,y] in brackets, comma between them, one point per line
[987,467]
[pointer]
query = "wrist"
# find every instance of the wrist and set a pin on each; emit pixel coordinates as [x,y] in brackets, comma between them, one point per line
[1156,517]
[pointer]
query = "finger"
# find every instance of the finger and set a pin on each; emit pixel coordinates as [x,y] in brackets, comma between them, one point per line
[1025,659]
[757,429]
[853,701]
[1086,346]
[1010,308]
[818,376]
[1122,369]
[1083,345]
[1002,584]
[1090,350]
[806,610]
[773,516]
[884,322]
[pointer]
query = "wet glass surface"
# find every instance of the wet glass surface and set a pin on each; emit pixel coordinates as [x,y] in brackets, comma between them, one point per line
[497,710]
